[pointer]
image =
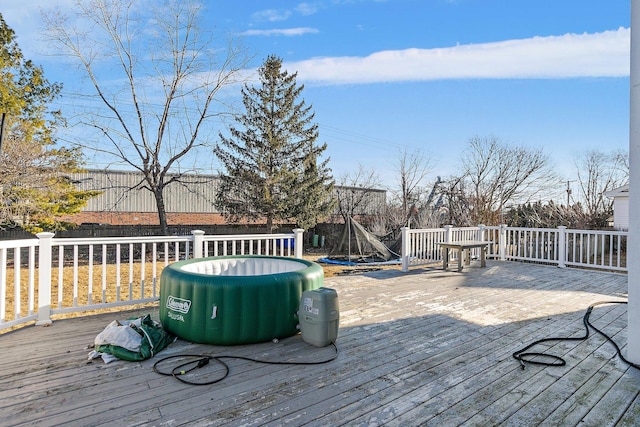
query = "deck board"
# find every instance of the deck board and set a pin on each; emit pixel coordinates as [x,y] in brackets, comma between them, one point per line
[428,347]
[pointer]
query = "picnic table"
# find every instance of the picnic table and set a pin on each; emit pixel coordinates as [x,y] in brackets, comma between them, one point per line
[463,247]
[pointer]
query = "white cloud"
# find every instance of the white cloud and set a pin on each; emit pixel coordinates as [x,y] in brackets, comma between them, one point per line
[26,22]
[307,8]
[281,32]
[604,54]
[17,13]
[272,15]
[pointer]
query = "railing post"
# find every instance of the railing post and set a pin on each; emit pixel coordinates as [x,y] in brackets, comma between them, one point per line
[562,246]
[198,243]
[44,278]
[448,233]
[481,232]
[502,242]
[298,243]
[405,249]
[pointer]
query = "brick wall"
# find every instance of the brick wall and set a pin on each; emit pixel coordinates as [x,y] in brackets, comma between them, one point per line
[144,218]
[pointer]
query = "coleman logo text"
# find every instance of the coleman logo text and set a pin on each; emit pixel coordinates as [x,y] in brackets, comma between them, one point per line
[178,304]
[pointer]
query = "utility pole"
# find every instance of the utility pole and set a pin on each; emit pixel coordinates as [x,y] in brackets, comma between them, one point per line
[569,192]
[4,115]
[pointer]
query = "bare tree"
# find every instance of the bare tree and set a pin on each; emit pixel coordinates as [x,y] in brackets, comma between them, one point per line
[157,75]
[620,163]
[549,215]
[496,174]
[457,209]
[597,173]
[432,212]
[356,193]
[413,169]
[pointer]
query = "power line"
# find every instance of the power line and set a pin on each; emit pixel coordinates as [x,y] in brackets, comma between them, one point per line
[84,102]
[94,103]
[364,140]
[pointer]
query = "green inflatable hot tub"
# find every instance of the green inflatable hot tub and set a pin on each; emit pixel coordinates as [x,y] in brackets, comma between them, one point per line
[235,299]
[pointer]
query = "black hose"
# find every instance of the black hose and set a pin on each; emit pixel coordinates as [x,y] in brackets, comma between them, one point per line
[201,360]
[524,357]
[198,361]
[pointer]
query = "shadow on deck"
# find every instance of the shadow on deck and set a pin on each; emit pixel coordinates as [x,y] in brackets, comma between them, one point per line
[424,348]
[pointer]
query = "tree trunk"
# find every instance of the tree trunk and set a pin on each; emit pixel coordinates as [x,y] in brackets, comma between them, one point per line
[162,213]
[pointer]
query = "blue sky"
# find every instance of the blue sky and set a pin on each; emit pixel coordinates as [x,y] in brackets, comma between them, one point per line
[385,76]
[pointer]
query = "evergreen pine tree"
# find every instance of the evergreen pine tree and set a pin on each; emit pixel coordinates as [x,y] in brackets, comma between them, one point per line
[34,190]
[314,190]
[272,159]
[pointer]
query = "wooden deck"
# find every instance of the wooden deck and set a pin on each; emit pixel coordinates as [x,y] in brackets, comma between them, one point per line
[424,348]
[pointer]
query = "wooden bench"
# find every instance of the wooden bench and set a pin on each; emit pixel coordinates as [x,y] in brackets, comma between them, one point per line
[462,247]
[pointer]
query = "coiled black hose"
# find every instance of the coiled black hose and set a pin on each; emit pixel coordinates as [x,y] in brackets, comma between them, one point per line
[523,356]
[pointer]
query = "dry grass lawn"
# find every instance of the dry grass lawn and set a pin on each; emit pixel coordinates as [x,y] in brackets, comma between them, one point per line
[99,284]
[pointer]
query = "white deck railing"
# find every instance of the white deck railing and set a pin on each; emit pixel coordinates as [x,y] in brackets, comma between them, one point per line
[48,276]
[559,246]
[422,246]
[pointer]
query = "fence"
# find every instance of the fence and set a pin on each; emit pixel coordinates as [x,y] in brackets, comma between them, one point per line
[48,276]
[560,246]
